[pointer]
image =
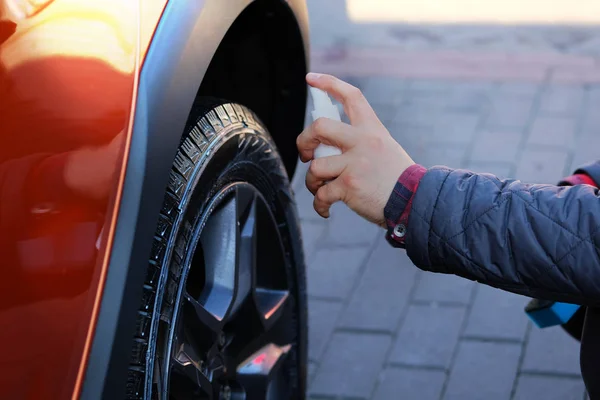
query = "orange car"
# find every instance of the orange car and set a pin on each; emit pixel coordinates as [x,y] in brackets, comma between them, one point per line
[149,243]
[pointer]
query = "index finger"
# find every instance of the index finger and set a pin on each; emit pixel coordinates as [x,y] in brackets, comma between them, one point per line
[355,104]
[326,131]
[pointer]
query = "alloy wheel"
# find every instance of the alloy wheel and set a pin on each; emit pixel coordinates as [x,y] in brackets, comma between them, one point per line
[227,338]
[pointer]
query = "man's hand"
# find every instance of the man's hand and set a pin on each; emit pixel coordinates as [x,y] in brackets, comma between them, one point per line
[364,175]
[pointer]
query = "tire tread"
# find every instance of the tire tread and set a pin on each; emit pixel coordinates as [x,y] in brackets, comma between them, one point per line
[195,143]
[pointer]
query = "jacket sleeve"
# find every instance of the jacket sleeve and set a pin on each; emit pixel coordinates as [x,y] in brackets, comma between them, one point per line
[541,241]
[592,170]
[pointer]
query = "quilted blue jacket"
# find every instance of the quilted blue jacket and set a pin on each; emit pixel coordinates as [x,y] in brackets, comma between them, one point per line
[542,241]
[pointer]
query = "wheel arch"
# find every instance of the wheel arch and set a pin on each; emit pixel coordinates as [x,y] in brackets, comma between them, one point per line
[261,63]
[182,57]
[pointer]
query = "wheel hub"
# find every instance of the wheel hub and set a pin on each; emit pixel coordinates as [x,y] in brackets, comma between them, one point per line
[229,335]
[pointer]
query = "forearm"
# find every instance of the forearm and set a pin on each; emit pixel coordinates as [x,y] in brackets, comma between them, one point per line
[537,240]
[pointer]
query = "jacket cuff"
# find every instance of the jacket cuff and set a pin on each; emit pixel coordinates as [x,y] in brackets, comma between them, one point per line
[398,207]
[420,240]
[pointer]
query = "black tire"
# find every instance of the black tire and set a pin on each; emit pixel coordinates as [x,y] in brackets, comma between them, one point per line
[226,152]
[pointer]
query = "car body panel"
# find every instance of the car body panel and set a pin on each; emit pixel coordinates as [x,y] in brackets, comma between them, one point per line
[68,84]
[94,96]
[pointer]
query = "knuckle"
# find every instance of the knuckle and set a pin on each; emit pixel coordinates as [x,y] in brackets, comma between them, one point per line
[315,167]
[355,94]
[321,195]
[320,125]
[363,163]
[375,142]
[311,186]
[350,181]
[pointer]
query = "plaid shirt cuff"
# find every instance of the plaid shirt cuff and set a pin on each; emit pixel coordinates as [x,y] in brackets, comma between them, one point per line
[577,179]
[397,209]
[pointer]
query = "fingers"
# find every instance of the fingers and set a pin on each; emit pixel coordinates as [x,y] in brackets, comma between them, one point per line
[356,106]
[324,130]
[326,196]
[324,169]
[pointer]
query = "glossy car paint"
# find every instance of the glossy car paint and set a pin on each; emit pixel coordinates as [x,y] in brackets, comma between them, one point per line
[68,76]
[86,138]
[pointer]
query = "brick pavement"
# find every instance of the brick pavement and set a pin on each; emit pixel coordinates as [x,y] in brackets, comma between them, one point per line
[514,101]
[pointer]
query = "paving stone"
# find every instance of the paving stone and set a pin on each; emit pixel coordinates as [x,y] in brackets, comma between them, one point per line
[311,233]
[331,272]
[497,314]
[432,155]
[357,81]
[383,291]
[430,87]
[321,322]
[421,112]
[455,127]
[351,365]
[541,166]
[304,202]
[552,131]
[551,350]
[591,116]
[496,145]
[526,91]
[509,111]
[562,100]
[591,121]
[414,139]
[501,170]
[444,288]
[428,336]
[384,90]
[348,228]
[594,95]
[401,383]
[385,112]
[586,150]
[483,370]
[549,388]
[474,97]
[312,369]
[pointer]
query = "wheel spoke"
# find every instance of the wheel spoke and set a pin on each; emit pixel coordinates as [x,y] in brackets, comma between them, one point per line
[258,374]
[270,305]
[246,249]
[213,322]
[219,241]
[188,373]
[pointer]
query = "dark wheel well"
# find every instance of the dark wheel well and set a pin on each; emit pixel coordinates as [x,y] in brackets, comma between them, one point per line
[261,64]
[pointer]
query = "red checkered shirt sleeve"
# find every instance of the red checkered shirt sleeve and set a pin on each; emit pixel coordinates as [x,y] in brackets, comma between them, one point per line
[397,209]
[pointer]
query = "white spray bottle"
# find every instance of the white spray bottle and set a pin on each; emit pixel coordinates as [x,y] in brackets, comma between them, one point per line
[323,107]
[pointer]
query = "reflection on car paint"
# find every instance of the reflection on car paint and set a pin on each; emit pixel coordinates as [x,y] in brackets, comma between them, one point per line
[67,85]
